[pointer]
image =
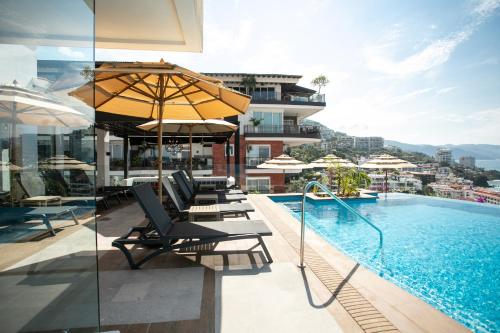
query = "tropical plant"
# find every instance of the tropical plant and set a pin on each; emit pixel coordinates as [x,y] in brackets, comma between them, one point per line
[256,121]
[249,82]
[320,82]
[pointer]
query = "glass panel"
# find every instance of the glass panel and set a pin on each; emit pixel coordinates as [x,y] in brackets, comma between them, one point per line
[48,277]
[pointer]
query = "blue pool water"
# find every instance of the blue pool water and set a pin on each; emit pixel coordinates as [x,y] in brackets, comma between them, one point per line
[446,252]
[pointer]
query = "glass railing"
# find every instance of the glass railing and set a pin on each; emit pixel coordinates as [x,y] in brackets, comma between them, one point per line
[252,162]
[284,98]
[290,130]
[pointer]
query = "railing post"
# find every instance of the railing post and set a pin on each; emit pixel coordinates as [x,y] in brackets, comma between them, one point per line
[303,226]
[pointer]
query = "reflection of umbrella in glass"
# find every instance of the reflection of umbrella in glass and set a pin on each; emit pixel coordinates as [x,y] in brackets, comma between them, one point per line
[387,162]
[157,91]
[331,160]
[7,166]
[23,106]
[284,163]
[190,127]
[63,162]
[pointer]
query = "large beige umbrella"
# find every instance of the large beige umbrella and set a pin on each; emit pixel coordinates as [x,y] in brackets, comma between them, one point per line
[160,90]
[284,162]
[330,160]
[209,126]
[387,162]
[63,162]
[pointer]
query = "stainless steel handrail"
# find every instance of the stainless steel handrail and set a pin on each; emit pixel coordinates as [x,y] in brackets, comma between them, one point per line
[342,203]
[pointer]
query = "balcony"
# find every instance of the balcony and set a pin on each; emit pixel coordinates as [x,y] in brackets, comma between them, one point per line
[263,97]
[290,131]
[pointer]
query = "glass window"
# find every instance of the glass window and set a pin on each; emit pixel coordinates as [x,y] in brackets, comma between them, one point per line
[48,277]
[261,185]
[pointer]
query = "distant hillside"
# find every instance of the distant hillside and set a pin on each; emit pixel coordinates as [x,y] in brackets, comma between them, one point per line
[479,151]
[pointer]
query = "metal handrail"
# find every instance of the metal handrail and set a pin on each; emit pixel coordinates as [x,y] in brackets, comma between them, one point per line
[342,203]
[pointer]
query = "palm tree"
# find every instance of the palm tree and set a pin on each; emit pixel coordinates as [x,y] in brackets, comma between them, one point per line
[249,82]
[320,82]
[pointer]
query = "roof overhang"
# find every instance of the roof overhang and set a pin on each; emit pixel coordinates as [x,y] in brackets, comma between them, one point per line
[167,25]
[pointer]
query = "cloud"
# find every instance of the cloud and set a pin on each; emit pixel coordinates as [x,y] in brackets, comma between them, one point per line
[445,90]
[434,54]
[70,53]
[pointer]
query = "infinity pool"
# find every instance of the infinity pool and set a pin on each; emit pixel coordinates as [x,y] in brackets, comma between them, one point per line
[445,252]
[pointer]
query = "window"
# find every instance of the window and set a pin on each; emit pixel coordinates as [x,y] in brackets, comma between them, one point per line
[231,150]
[257,154]
[258,184]
[272,122]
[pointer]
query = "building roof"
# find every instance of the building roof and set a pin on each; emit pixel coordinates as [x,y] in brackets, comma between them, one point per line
[268,75]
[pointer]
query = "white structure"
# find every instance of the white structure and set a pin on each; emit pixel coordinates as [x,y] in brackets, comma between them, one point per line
[369,143]
[467,161]
[395,183]
[443,155]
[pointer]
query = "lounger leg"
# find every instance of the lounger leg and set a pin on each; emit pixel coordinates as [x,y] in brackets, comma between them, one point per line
[46,221]
[127,254]
[74,217]
[264,248]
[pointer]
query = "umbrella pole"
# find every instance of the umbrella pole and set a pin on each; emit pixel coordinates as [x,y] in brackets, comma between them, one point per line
[160,141]
[191,152]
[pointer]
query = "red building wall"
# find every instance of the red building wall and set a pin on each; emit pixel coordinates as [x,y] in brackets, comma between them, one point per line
[219,161]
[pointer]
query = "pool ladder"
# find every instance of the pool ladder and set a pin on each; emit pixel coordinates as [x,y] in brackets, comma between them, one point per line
[342,203]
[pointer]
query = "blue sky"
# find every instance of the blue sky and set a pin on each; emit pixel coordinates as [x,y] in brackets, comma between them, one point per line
[417,72]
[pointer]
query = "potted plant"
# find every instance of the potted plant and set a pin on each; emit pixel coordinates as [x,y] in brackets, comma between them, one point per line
[256,122]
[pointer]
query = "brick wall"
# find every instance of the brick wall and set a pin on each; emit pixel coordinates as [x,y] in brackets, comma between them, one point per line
[219,160]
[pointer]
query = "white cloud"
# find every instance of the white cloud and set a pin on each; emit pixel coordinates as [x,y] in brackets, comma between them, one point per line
[70,53]
[378,57]
[445,90]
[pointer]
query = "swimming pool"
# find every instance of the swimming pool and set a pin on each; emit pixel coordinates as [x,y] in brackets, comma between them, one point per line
[445,252]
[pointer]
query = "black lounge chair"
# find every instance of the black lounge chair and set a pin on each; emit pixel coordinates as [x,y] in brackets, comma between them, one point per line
[171,236]
[189,194]
[224,209]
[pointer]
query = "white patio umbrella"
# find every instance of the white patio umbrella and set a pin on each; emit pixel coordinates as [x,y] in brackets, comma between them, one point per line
[23,106]
[284,162]
[387,162]
[209,126]
[330,160]
[63,162]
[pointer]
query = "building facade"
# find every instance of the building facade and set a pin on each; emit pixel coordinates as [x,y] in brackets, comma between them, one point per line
[271,125]
[467,162]
[444,156]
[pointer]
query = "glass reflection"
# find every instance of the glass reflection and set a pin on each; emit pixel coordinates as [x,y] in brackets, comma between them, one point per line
[48,277]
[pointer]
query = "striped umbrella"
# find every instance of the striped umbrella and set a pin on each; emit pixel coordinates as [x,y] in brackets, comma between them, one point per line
[387,162]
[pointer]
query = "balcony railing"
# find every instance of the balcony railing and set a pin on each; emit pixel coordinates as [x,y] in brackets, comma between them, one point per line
[252,162]
[200,162]
[272,97]
[295,131]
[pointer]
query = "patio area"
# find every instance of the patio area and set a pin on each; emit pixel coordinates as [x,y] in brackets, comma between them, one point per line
[230,289]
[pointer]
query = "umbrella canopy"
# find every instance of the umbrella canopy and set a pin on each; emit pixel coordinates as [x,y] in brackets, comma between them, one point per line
[7,166]
[23,106]
[63,162]
[190,127]
[157,91]
[387,162]
[283,162]
[330,160]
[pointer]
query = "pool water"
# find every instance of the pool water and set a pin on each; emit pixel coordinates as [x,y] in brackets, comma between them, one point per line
[445,252]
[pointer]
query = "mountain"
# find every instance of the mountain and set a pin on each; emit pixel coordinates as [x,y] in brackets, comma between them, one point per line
[479,151]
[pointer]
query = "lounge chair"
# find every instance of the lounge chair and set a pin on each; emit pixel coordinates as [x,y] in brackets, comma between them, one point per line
[192,187]
[189,194]
[33,187]
[20,214]
[171,236]
[224,209]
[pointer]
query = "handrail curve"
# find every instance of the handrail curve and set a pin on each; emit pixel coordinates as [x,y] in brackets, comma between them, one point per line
[342,203]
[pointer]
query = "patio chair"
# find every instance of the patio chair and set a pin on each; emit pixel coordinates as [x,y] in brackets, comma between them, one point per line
[171,236]
[193,188]
[224,209]
[190,195]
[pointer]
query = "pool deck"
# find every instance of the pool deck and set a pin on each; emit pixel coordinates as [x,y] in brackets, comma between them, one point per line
[404,311]
[231,289]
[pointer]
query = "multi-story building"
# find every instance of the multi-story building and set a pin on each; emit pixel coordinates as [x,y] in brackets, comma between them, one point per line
[369,143]
[271,125]
[467,161]
[395,183]
[443,156]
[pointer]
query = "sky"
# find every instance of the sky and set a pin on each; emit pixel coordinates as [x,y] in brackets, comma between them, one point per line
[412,71]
